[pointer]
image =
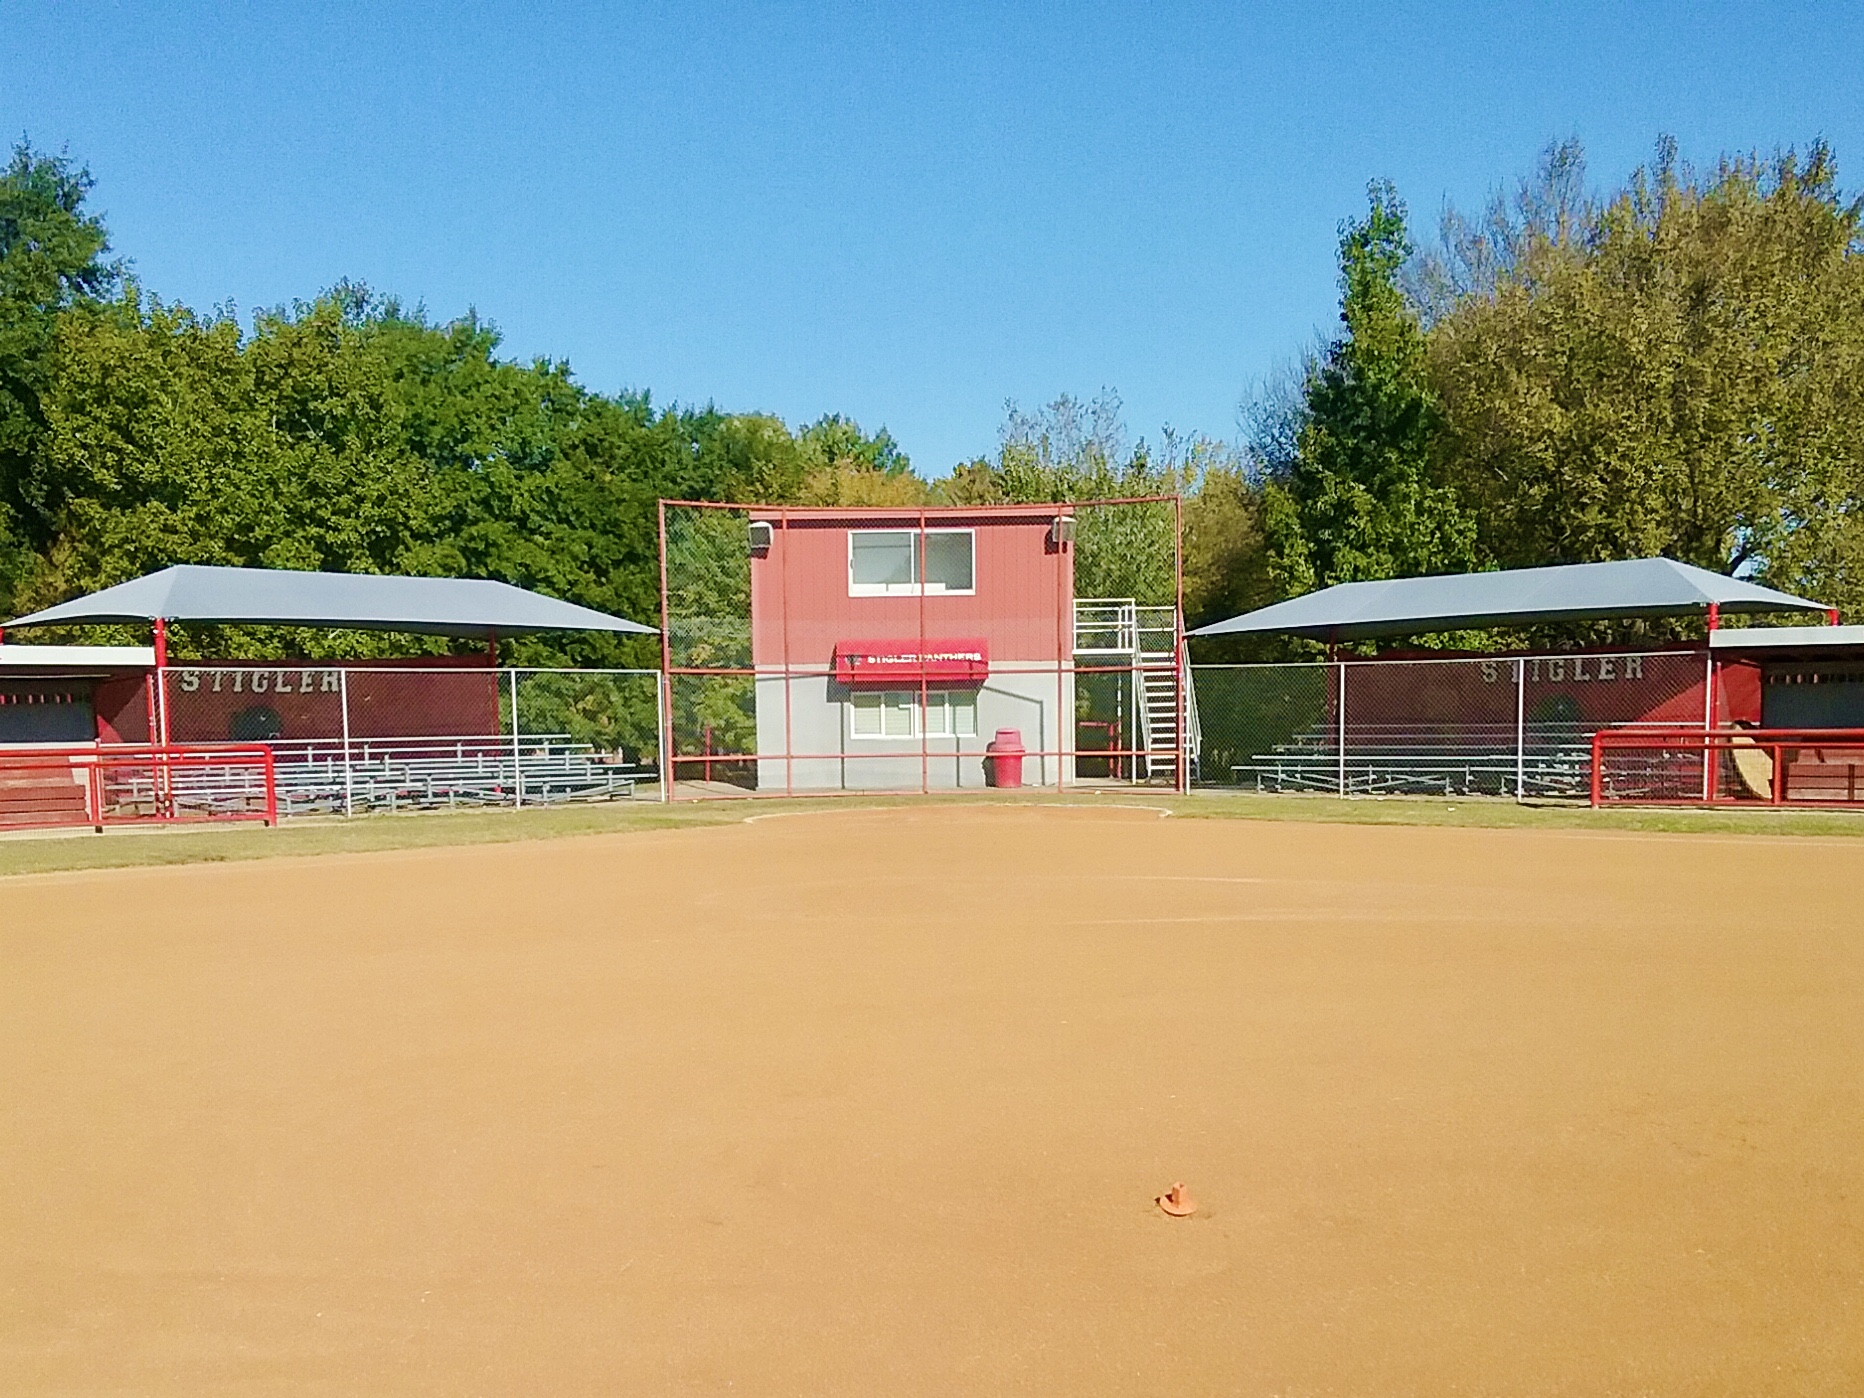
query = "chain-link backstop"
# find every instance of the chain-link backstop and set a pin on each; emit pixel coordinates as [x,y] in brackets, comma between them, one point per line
[818,649]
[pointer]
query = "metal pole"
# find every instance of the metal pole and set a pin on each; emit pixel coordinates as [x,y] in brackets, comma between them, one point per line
[789,727]
[919,575]
[1341,666]
[1180,652]
[517,758]
[1520,730]
[667,769]
[349,780]
[161,682]
[1064,650]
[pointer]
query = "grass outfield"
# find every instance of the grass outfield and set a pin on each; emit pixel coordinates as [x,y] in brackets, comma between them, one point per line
[124,848]
[877,1102]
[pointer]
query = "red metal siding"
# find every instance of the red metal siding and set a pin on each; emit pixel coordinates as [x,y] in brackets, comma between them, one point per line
[1737,692]
[122,706]
[1022,606]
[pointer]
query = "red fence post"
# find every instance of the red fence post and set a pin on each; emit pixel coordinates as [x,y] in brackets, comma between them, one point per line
[668,767]
[1598,760]
[176,776]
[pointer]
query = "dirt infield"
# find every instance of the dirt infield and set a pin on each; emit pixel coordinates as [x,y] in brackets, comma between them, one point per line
[876,1103]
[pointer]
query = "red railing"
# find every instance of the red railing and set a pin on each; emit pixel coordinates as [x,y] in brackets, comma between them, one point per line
[1729,766]
[100,786]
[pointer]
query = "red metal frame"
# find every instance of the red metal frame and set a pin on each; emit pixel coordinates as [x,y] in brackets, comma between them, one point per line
[1064,646]
[1180,653]
[667,782]
[161,761]
[783,589]
[925,739]
[1782,745]
[925,516]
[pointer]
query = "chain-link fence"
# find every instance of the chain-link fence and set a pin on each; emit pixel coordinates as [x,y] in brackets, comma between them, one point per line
[353,738]
[1505,725]
[827,649]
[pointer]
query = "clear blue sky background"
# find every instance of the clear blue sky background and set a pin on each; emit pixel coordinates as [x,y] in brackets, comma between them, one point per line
[903,213]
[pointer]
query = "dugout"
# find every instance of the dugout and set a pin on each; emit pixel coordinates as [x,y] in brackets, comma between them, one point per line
[114,694]
[63,695]
[1519,723]
[1800,677]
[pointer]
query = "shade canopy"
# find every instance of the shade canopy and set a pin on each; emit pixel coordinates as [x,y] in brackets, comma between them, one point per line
[353,601]
[1637,587]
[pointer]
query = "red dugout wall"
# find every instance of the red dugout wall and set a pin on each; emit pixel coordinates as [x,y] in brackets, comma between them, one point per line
[263,701]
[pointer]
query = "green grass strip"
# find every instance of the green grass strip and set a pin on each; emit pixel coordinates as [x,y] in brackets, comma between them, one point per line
[52,852]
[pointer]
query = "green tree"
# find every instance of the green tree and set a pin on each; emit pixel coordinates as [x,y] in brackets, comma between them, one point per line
[846,466]
[1078,451]
[1225,548]
[1359,500]
[1677,369]
[170,439]
[52,256]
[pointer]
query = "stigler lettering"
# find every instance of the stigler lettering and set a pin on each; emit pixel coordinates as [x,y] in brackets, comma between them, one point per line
[1565,669]
[244,681]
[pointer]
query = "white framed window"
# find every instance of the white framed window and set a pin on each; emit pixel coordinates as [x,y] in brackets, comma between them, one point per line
[882,562]
[896,713]
[951,714]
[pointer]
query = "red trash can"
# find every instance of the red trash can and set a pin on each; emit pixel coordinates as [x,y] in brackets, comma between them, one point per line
[1005,764]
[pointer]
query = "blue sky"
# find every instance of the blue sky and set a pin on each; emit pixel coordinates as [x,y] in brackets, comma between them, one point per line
[907,214]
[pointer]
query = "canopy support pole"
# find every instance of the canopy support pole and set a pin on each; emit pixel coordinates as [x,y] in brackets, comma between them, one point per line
[161,681]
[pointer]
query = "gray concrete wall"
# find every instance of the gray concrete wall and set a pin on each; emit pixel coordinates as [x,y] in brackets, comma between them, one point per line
[818,723]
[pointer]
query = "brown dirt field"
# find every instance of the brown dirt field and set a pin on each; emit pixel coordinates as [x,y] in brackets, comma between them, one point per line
[876,1103]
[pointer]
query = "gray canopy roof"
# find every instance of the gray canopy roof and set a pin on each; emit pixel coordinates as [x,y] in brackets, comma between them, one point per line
[358,601]
[1637,587]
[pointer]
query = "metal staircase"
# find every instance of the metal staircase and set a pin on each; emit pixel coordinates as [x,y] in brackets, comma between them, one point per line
[1148,639]
[1158,719]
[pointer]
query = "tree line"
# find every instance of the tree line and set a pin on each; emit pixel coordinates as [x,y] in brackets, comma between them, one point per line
[1673,366]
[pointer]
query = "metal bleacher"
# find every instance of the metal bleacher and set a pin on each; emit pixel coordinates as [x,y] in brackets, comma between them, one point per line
[423,774]
[1466,760]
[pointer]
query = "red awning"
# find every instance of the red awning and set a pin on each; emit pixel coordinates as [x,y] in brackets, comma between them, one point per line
[965,661]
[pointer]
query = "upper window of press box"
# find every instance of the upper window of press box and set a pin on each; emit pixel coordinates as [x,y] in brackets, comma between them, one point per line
[882,561]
